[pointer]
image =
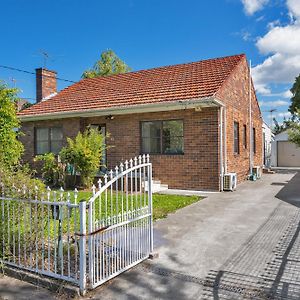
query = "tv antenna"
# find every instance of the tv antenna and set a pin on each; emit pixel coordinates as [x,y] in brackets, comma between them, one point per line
[271,111]
[46,57]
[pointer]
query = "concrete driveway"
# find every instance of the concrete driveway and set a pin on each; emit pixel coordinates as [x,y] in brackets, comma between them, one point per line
[236,245]
[240,245]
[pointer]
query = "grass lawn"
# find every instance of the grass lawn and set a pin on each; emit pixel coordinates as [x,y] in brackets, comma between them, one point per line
[162,204]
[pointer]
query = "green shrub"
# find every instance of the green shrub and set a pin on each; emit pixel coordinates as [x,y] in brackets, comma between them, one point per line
[53,171]
[84,154]
[15,185]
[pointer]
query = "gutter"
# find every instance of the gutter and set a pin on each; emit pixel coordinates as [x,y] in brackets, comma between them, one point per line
[142,108]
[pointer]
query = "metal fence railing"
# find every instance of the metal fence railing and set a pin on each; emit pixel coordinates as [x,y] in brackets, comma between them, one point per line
[83,242]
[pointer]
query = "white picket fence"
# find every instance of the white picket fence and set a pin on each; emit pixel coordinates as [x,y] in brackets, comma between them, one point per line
[87,242]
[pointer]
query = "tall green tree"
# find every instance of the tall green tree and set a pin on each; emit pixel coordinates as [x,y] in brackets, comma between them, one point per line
[10,148]
[294,131]
[108,64]
[295,90]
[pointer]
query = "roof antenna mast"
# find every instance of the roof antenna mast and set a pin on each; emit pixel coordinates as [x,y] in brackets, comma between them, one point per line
[45,58]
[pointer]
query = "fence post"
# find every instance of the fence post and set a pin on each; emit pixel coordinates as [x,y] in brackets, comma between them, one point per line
[91,242]
[150,206]
[82,247]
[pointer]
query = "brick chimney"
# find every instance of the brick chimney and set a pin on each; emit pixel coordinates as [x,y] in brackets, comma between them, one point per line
[45,83]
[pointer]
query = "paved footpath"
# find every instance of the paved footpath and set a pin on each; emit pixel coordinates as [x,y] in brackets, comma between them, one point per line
[240,245]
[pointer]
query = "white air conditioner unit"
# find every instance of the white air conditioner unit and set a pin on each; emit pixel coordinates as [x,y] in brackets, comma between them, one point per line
[257,170]
[229,182]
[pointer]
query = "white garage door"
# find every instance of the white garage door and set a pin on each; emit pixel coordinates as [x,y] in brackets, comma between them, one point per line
[288,154]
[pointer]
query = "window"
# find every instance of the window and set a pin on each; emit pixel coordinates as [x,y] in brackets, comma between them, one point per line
[245,137]
[236,140]
[254,140]
[48,140]
[162,137]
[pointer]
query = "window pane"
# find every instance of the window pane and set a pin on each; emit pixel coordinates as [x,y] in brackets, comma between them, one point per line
[151,129]
[42,134]
[173,137]
[173,145]
[56,134]
[254,140]
[245,136]
[236,137]
[56,146]
[42,147]
[151,145]
[173,128]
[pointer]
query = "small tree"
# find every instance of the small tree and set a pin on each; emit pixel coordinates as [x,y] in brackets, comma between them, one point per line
[108,64]
[10,148]
[84,153]
[294,131]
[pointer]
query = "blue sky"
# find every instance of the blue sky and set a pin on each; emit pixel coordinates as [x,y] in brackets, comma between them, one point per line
[148,34]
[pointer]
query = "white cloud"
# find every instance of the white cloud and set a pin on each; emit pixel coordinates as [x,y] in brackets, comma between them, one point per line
[278,115]
[252,6]
[281,45]
[273,24]
[283,114]
[246,36]
[259,19]
[262,89]
[278,68]
[276,103]
[294,7]
[284,40]
[287,94]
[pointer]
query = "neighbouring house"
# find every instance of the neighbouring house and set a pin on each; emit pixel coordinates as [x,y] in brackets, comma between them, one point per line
[193,119]
[284,153]
[268,137]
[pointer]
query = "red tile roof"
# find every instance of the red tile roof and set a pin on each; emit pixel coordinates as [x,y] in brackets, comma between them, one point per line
[164,84]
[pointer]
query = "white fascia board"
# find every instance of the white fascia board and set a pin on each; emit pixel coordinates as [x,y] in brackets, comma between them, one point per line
[134,109]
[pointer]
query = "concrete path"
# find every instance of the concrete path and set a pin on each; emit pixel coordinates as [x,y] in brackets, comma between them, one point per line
[228,246]
[222,247]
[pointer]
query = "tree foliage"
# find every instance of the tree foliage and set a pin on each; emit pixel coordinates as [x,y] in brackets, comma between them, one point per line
[295,90]
[84,154]
[286,124]
[10,148]
[53,171]
[108,64]
[294,131]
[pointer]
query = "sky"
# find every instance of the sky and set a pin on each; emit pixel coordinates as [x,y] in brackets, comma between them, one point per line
[152,33]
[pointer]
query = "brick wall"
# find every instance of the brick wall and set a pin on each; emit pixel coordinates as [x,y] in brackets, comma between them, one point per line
[70,129]
[196,169]
[235,95]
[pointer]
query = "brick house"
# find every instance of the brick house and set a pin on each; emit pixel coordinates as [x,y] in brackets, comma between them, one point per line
[193,119]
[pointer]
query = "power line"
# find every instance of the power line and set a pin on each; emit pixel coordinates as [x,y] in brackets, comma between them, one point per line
[32,73]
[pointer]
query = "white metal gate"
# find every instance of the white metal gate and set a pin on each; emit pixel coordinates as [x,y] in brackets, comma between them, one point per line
[120,231]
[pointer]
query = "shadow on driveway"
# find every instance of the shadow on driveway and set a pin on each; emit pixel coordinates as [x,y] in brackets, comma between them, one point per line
[267,266]
[290,193]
